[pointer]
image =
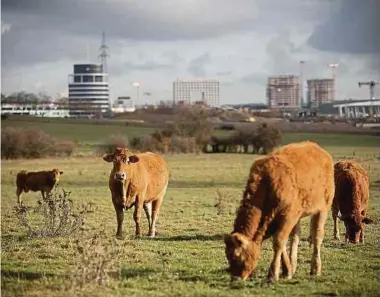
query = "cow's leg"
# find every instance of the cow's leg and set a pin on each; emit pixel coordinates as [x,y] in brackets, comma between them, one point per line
[156,204]
[119,218]
[294,242]
[137,216]
[148,212]
[318,224]
[361,239]
[286,264]
[334,213]
[279,247]
[18,194]
[43,194]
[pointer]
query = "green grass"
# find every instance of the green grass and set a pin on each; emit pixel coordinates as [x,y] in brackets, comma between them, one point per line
[187,257]
[83,133]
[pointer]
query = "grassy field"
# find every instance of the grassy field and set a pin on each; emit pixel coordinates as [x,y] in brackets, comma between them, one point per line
[187,257]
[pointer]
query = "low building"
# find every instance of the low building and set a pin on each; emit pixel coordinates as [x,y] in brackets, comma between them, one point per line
[359,109]
[123,104]
[41,110]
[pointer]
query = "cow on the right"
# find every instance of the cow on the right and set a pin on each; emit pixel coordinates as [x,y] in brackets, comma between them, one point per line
[351,200]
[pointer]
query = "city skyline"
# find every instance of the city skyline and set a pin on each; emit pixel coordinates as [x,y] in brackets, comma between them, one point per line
[241,45]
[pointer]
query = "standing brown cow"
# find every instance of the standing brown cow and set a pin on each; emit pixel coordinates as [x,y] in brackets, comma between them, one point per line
[351,199]
[295,181]
[43,181]
[140,180]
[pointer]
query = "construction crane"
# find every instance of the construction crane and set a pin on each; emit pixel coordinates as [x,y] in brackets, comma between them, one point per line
[371,85]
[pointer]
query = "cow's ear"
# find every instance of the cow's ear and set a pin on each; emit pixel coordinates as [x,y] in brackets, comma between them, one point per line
[367,220]
[108,157]
[133,159]
[61,172]
[239,240]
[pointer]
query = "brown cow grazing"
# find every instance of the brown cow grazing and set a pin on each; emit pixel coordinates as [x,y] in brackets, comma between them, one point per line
[294,181]
[43,181]
[351,199]
[140,180]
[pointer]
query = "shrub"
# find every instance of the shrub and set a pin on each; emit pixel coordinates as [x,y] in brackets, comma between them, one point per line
[11,143]
[263,138]
[37,144]
[65,148]
[98,256]
[183,145]
[112,142]
[193,122]
[31,143]
[268,137]
[56,216]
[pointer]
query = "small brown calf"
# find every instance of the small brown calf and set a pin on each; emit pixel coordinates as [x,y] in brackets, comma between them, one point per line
[43,181]
[351,199]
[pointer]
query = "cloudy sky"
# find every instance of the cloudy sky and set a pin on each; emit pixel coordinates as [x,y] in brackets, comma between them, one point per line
[154,42]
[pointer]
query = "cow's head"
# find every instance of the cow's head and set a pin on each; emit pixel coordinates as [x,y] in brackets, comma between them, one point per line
[355,225]
[242,255]
[55,175]
[121,158]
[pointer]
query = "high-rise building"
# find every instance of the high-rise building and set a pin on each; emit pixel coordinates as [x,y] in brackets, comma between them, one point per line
[197,90]
[284,91]
[88,91]
[320,91]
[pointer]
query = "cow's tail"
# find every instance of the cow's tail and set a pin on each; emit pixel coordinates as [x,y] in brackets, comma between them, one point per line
[21,180]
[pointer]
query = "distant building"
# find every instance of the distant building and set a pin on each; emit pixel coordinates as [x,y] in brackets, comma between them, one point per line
[88,91]
[359,109]
[320,91]
[123,104]
[50,110]
[197,90]
[284,92]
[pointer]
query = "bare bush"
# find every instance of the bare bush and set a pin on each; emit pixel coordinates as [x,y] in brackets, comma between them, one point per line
[37,144]
[53,216]
[184,145]
[223,203]
[193,122]
[189,133]
[98,258]
[261,139]
[32,143]
[268,137]
[65,148]
[11,143]
[111,143]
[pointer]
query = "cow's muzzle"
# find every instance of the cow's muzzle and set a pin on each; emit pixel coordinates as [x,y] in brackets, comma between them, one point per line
[120,176]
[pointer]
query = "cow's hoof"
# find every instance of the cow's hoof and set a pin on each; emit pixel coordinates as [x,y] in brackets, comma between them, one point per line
[271,280]
[120,237]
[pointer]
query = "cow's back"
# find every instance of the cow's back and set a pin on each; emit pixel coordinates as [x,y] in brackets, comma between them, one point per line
[300,175]
[152,172]
[35,181]
[352,187]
